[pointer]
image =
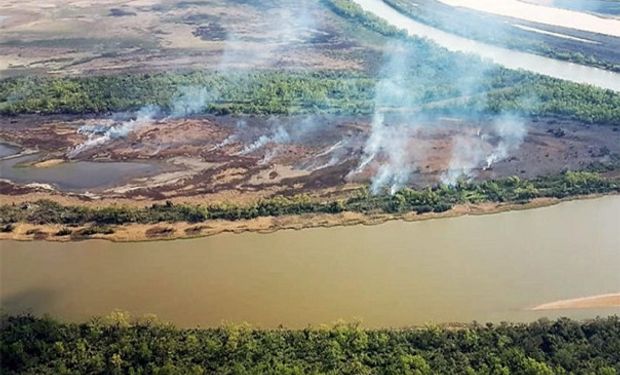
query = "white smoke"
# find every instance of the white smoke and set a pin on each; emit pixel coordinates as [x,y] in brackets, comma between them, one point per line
[389,141]
[330,149]
[473,152]
[282,134]
[511,131]
[336,152]
[187,101]
[99,135]
[278,136]
[396,170]
[284,27]
[468,152]
[241,127]
[191,100]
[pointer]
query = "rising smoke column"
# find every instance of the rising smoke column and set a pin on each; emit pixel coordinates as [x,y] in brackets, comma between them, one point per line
[475,151]
[279,136]
[511,131]
[395,123]
[389,141]
[468,153]
[301,130]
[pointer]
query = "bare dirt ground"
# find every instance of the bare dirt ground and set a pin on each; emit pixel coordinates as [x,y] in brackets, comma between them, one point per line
[76,37]
[244,158]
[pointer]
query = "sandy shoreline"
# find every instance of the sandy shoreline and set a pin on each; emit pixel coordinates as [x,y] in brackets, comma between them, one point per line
[591,302]
[184,230]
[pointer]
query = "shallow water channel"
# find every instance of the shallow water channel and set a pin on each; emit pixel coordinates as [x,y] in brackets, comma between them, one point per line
[75,176]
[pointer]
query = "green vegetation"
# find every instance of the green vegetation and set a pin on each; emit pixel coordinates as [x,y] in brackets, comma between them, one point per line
[118,345]
[492,31]
[352,11]
[319,92]
[436,199]
[437,81]
[259,92]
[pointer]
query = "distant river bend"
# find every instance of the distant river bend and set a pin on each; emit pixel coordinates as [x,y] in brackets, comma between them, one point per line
[506,57]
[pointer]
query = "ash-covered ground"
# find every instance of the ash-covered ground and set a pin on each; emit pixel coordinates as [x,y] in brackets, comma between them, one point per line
[248,157]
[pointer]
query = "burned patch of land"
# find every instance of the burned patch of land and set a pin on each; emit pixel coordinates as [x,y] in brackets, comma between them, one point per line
[248,157]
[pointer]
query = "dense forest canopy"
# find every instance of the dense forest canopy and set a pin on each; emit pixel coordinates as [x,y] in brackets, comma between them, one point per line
[118,345]
[317,92]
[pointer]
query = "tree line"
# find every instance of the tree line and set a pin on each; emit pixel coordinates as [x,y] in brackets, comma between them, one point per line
[438,198]
[118,344]
[289,93]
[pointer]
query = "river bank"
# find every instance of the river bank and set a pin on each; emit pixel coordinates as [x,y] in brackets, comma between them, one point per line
[508,58]
[263,225]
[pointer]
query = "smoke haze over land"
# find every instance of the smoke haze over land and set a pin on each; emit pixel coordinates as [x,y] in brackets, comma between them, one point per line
[392,152]
[99,135]
[389,142]
[481,149]
[392,148]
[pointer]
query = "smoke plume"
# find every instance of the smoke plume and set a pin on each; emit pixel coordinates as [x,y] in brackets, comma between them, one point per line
[191,100]
[99,135]
[280,133]
[483,149]
[389,141]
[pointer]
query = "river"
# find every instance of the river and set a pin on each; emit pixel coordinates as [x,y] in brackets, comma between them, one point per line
[485,268]
[543,14]
[506,57]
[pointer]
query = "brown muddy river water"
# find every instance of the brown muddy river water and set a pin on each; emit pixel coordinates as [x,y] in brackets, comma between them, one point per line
[484,268]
